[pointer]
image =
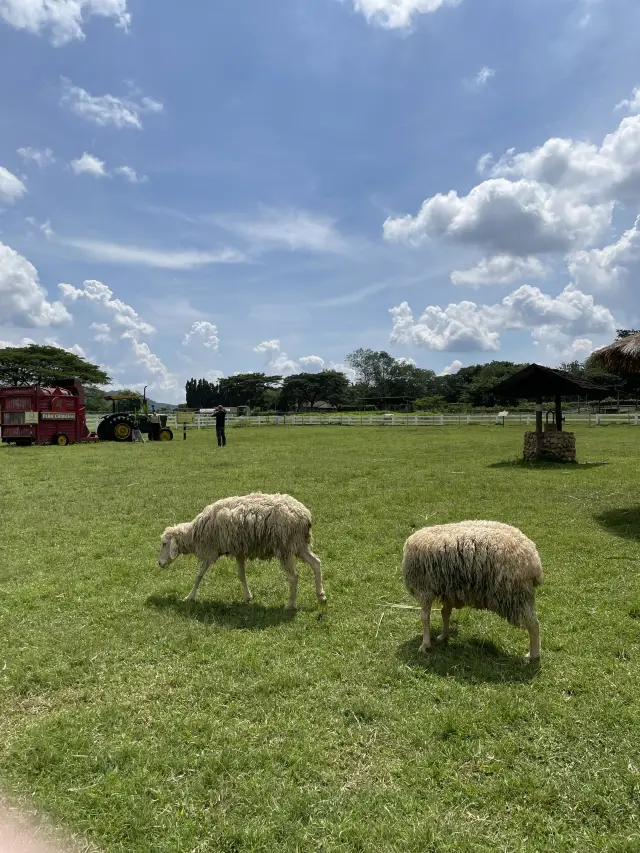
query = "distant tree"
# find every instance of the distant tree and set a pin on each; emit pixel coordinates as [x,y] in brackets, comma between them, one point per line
[624,333]
[246,389]
[306,389]
[43,365]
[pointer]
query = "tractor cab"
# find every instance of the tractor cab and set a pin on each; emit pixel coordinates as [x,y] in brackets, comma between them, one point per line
[127,404]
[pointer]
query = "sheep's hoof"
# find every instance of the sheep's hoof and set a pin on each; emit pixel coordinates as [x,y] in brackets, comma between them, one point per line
[425,647]
[188,598]
[322,599]
[442,638]
[529,659]
[291,608]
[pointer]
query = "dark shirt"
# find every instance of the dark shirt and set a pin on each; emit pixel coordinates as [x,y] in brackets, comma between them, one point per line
[220,417]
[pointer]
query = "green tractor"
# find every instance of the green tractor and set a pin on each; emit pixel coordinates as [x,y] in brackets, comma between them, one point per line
[129,410]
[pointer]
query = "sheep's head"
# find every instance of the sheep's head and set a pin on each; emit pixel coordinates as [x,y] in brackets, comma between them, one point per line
[169,549]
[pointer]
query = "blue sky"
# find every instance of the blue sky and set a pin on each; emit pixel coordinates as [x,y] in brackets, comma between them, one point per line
[246,185]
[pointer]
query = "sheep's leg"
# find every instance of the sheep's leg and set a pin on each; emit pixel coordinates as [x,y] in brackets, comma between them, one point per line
[533,627]
[248,595]
[312,560]
[289,568]
[446,614]
[426,623]
[204,565]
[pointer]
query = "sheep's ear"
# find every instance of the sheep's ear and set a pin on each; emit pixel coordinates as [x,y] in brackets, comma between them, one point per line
[173,549]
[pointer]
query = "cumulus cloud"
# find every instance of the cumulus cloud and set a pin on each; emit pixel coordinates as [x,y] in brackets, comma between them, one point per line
[520,218]
[398,14]
[42,157]
[63,19]
[468,327]
[149,361]
[630,105]
[403,360]
[204,332]
[101,332]
[311,363]
[500,269]
[452,368]
[101,297]
[483,163]
[268,346]
[11,188]
[23,300]
[608,268]
[297,230]
[349,372]
[88,165]
[104,110]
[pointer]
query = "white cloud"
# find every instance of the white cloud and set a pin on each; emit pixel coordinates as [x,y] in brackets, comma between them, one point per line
[519,218]
[468,327]
[297,230]
[562,347]
[101,296]
[403,360]
[206,332]
[42,157]
[130,175]
[214,375]
[117,253]
[23,300]
[62,18]
[311,363]
[105,110]
[45,227]
[349,372]
[11,188]
[630,105]
[149,361]
[483,76]
[101,332]
[398,14]
[609,268]
[452,368]
[268,346]
[483,163]
[88,165]
[500,269]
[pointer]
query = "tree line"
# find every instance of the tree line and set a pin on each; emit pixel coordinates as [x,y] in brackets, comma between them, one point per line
[380,381]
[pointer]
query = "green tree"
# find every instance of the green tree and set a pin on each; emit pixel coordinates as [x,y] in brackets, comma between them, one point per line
[43,365]
[307,389]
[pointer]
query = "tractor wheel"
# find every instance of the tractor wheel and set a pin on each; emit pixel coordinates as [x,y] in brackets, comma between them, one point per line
[122,430]
[166,434]
[60,439]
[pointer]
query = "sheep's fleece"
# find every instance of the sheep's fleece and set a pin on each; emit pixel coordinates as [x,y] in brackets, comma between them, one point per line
[483,564]
[255,526]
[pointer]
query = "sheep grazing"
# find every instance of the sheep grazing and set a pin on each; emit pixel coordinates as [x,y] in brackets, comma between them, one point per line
[254,526]
[481,564]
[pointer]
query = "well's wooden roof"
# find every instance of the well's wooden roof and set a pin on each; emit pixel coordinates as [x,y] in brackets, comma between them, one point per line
[538,381]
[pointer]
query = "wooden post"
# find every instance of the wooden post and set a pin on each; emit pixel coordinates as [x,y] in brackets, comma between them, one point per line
[539,433]
[558,413]
[184,432]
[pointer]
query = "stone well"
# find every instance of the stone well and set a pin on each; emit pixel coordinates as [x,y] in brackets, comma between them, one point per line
[555,446]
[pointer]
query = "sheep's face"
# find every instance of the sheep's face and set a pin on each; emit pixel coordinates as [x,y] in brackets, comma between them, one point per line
[168,550]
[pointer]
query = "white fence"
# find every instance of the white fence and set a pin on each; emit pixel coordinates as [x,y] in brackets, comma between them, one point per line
[398,420]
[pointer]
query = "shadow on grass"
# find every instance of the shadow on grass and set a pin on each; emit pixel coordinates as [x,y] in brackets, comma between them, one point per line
[547,465]
[624,521]
[474,661]
[236,614]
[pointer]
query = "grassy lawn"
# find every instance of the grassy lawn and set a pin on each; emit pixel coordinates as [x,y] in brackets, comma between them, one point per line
[149,725]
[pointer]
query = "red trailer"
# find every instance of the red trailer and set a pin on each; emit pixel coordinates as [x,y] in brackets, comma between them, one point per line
[35,415]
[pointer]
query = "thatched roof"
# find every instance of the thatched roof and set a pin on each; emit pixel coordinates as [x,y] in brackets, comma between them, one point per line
[622,356]
[538,381]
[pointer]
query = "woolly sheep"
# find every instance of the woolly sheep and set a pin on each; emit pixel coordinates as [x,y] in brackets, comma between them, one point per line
[255,526]
[481,564]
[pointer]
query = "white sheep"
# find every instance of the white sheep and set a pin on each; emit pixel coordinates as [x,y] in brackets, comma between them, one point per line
[255,526]
[481,564]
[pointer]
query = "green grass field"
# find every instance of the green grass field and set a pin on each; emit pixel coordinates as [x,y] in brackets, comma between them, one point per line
[150,725]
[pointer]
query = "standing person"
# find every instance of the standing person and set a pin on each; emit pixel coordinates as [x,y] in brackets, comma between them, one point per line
[221,416]
[154,420]
[137,435]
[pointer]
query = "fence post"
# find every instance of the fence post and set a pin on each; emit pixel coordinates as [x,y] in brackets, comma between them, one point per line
[184,432]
